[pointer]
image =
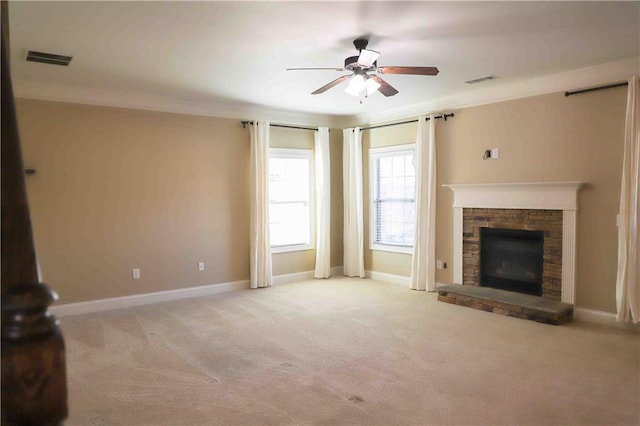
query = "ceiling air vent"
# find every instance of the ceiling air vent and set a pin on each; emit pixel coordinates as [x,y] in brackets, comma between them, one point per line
[481,79]
[48,58]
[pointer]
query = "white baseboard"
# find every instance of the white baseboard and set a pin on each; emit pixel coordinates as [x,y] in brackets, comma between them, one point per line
[290,278]
[388,278]
[393,279]
[100,305]
[302,276]
[603,318]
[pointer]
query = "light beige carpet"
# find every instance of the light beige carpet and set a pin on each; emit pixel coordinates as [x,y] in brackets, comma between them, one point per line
[341,352]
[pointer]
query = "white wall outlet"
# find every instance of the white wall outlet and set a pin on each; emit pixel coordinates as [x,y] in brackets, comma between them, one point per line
[200,266]
[495,153]
[438,264]
[136,273]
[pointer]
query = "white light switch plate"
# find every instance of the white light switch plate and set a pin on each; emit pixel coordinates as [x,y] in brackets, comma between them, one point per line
[495,153]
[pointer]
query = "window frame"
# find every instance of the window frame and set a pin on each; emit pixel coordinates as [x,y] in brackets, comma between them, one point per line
[297,153]
[373,154]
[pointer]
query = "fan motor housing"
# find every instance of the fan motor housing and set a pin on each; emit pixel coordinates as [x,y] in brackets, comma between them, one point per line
[360,43]
[351,64]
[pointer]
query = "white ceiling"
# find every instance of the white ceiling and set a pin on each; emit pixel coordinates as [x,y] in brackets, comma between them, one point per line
[233,55]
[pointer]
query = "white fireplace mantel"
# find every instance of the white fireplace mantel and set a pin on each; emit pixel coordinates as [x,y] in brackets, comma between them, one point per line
[542,196]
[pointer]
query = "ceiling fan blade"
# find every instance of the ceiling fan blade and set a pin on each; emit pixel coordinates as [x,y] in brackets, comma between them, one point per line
[367,57]
[409,70]
[385,88]
[330,85]
[314,69]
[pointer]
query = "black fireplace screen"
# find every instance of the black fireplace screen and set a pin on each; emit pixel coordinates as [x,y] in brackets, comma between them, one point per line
[511,259]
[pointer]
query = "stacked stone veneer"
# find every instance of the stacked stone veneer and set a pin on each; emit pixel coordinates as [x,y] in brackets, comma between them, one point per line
[548,221]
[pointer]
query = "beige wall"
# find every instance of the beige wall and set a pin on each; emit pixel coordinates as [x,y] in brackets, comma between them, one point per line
[543,138]
[117,189]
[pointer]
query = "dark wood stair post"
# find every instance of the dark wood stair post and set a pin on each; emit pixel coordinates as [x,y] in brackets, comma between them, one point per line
[34,389]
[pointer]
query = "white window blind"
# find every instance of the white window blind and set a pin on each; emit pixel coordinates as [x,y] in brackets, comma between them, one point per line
[393,198]
[290,214]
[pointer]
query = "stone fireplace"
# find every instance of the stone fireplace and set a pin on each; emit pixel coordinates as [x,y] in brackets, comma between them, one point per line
[545,224]
[548,208]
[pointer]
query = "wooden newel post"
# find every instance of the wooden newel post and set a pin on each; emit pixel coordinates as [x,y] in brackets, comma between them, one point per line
[34,390]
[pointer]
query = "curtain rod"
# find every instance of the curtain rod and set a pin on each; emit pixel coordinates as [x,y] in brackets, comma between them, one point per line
[445,116]
[244,124]
[593,89]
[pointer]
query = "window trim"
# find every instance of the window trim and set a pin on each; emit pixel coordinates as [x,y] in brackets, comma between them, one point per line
[373,153]
[306,154]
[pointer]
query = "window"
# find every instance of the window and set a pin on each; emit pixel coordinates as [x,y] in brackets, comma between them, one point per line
[393,209]
[290,213]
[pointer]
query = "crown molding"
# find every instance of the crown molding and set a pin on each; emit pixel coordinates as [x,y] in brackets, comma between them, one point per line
[115,98]
[610,72]
[570,80]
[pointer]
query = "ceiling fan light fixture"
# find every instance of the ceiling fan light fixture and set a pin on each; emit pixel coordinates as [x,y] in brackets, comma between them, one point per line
[356,85]
[361,84]
[371,86]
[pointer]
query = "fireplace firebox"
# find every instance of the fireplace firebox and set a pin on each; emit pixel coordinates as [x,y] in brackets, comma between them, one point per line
[512,259]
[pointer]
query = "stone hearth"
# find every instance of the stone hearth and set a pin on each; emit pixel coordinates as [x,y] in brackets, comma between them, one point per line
[507,303]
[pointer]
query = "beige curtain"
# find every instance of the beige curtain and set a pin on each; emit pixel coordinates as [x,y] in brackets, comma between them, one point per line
[353,205]
[423,265]
[323,204]
[260,262]
[628,280]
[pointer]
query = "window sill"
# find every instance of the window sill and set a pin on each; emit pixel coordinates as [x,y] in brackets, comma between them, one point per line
[392,249]
[288,249]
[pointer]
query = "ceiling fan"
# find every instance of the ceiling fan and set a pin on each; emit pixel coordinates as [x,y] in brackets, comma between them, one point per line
[364,78]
